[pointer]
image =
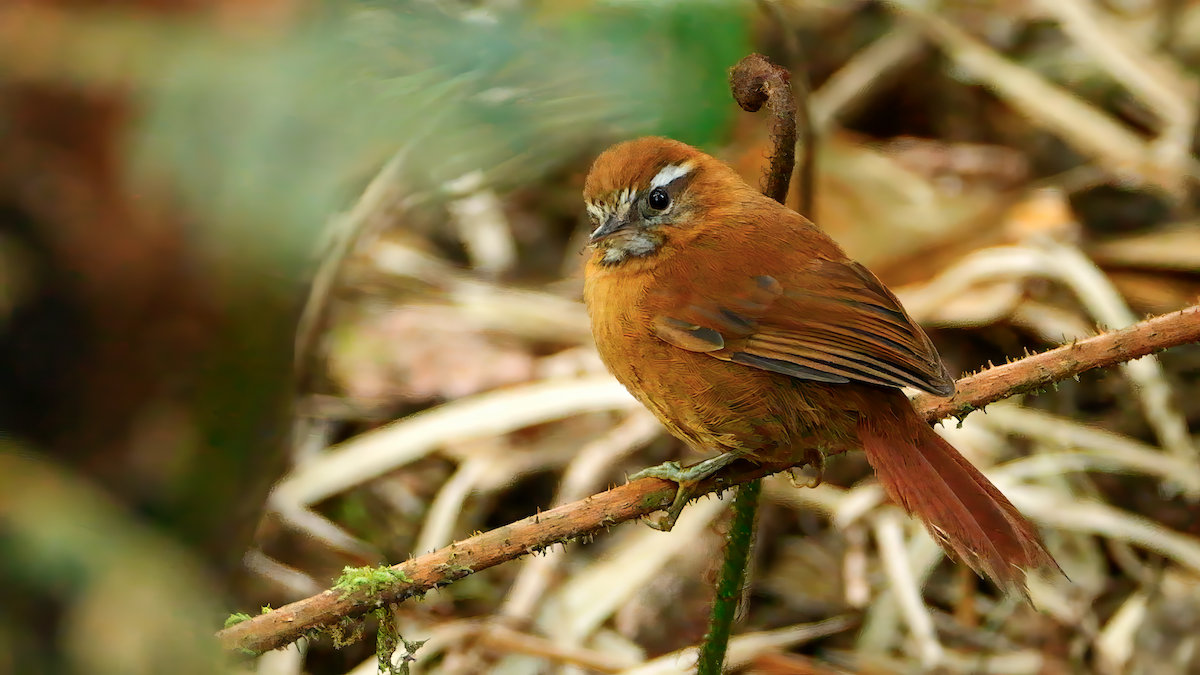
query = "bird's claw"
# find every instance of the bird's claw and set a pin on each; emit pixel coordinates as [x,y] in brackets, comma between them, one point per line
[809,481]
[687,479]
[666,471]
[673,472]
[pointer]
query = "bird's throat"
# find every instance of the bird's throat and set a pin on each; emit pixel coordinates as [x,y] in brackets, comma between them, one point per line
[639,244]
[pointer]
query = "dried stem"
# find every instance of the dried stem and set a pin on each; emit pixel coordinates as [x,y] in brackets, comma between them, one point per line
[634,500]
[755,81]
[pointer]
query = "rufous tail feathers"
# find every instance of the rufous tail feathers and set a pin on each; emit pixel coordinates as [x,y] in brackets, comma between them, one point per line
[961,508]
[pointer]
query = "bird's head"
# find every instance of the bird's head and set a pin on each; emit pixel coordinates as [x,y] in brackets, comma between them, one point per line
[641,194]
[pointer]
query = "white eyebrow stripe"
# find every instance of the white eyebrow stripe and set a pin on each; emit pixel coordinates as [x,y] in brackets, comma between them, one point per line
[670,173]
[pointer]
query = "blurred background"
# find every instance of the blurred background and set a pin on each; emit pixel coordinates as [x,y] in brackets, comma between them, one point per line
[335,247]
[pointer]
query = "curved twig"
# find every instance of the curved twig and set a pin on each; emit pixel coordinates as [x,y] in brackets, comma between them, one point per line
[756,81]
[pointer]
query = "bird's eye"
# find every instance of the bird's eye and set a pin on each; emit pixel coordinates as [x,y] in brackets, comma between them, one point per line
[658,199]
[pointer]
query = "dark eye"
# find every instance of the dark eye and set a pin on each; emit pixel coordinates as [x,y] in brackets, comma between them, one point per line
[658,199]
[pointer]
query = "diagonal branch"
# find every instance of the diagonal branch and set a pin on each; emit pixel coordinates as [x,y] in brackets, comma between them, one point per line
[584,518]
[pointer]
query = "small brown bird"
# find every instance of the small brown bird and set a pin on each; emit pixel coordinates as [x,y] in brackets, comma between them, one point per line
[747,332]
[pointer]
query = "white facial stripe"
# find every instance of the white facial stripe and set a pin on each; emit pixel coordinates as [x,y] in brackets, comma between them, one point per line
[670,173]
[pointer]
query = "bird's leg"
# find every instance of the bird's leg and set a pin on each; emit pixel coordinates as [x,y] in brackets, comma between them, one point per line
[687,479]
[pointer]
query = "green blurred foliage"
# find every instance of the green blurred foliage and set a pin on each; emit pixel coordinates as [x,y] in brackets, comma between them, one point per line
[685,49]
[131,601]
[266,138]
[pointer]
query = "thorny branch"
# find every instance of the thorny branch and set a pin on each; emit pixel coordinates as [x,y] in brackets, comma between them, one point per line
[601,511]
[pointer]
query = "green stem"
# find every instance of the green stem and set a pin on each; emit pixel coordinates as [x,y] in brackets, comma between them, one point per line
[733,578]
[755,81]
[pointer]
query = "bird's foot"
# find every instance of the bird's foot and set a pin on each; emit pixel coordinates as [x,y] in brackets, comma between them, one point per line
[813,481]
[688,481]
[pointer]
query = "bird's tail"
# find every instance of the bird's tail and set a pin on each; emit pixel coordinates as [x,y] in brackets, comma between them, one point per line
[968,515]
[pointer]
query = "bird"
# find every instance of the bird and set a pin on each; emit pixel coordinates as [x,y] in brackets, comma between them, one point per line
[748,333]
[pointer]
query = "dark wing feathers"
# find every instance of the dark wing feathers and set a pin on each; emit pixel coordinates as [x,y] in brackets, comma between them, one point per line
[831,322]
[848,361]
[788,367]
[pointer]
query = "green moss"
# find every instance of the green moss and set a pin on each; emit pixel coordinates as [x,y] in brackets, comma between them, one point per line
[234,619]
[338,632]
[369,579]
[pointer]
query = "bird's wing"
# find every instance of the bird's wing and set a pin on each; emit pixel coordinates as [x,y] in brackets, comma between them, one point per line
[831,321]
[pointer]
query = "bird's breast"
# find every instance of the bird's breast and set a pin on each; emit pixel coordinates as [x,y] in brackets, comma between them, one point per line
[709,403]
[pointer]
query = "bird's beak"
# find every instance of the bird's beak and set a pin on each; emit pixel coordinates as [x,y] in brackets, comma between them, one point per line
[612,225]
